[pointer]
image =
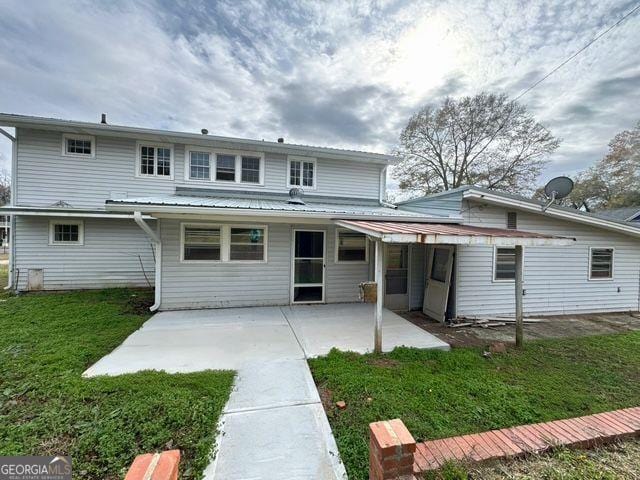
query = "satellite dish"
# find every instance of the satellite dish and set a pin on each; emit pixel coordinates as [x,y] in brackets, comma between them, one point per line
[556,189]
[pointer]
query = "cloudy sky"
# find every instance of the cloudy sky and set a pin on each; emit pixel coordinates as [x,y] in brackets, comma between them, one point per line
[320,72]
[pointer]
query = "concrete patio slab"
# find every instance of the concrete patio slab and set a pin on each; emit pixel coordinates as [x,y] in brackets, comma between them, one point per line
[319,328]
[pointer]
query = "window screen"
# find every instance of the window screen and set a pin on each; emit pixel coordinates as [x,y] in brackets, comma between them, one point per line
[512,220]
[226,168]
[202,243]
[439,264]
[601,263]
[352,246]
[247,244]
[505,264]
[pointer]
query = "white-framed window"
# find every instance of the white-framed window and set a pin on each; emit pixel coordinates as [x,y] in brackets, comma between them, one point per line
[601,263]
[504,264]
[199,165]
[224,166]
[78,145]
[154,160]
[351,247]
[302,172]
[66,232]
[202,242]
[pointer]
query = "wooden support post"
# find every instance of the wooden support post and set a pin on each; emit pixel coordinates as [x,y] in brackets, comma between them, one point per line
[518,282]
[377,336]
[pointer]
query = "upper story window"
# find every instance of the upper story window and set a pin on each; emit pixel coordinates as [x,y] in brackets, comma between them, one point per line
[154,160]
[512,220]
[351,246]
[302,172]
[66,232]
[224,166]
[250,169]
[78,145]
[199,166]
[600,263]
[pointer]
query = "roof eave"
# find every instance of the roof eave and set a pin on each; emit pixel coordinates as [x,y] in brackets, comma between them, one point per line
[497,199]
[151,208]
[167,136]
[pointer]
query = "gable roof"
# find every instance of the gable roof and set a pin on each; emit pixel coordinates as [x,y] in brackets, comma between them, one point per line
[554,211]
[624,214]
[168,136]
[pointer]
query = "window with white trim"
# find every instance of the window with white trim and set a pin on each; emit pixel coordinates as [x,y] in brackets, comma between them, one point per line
[246,243]
[202,243]
[67,232]
[250,169]
[600,263]
[223,243]
[155,160]
[199,165]
[512,220]
[504,264]
[351,246]
[302,173]
[225,167]
[78,145]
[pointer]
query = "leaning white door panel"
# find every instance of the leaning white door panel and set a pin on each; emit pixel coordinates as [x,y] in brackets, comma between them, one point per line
[440,265]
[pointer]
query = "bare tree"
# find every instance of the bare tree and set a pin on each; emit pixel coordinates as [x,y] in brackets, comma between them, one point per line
[614,181]
[484,140]
[5,187]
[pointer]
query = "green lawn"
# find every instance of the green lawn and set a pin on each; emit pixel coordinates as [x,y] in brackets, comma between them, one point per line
[46,407]
[439,394]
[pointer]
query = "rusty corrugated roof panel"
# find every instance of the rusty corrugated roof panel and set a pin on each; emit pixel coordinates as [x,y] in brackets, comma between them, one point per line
[441,229]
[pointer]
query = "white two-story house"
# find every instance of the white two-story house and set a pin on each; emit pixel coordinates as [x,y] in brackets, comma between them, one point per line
[212,222]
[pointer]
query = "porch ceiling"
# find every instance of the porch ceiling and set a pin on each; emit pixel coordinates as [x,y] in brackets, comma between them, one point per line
[438,233]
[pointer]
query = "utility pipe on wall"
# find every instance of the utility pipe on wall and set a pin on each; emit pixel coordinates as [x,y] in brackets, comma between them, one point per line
[377,336]
[518,283]
[155,238]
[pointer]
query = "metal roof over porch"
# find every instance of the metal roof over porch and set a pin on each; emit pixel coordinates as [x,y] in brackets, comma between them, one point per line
[438,233]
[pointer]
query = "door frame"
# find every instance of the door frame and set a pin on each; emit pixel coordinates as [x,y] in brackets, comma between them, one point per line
[384,274]
[292,283]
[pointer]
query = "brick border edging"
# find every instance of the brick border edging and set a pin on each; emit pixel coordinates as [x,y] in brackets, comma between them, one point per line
[155,466]
[391,442]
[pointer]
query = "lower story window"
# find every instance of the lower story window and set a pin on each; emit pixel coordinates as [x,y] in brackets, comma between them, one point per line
[66,232]
[504,264]
[352,246]
[246,244]
[202,243]
[601,264]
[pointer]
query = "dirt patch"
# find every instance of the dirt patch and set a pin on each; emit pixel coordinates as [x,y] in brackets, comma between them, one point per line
[138,305]
[383,362]
[326,397]
[555,326]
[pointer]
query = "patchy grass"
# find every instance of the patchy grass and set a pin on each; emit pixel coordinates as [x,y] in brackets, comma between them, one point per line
[613,462]
[46,407]
[440,394]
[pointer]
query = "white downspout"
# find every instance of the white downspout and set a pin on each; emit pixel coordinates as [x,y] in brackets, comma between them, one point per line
[137,217]
[12,233]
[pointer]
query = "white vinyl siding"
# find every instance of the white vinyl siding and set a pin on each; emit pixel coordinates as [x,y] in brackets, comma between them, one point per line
[556,278]
[247,283]
[116,253]
[112,174]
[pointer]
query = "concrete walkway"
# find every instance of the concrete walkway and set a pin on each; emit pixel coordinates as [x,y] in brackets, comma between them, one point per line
[274,426]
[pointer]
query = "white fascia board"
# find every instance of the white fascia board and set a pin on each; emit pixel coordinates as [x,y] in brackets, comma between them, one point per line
[48,212]
[551,212]
[157,210]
